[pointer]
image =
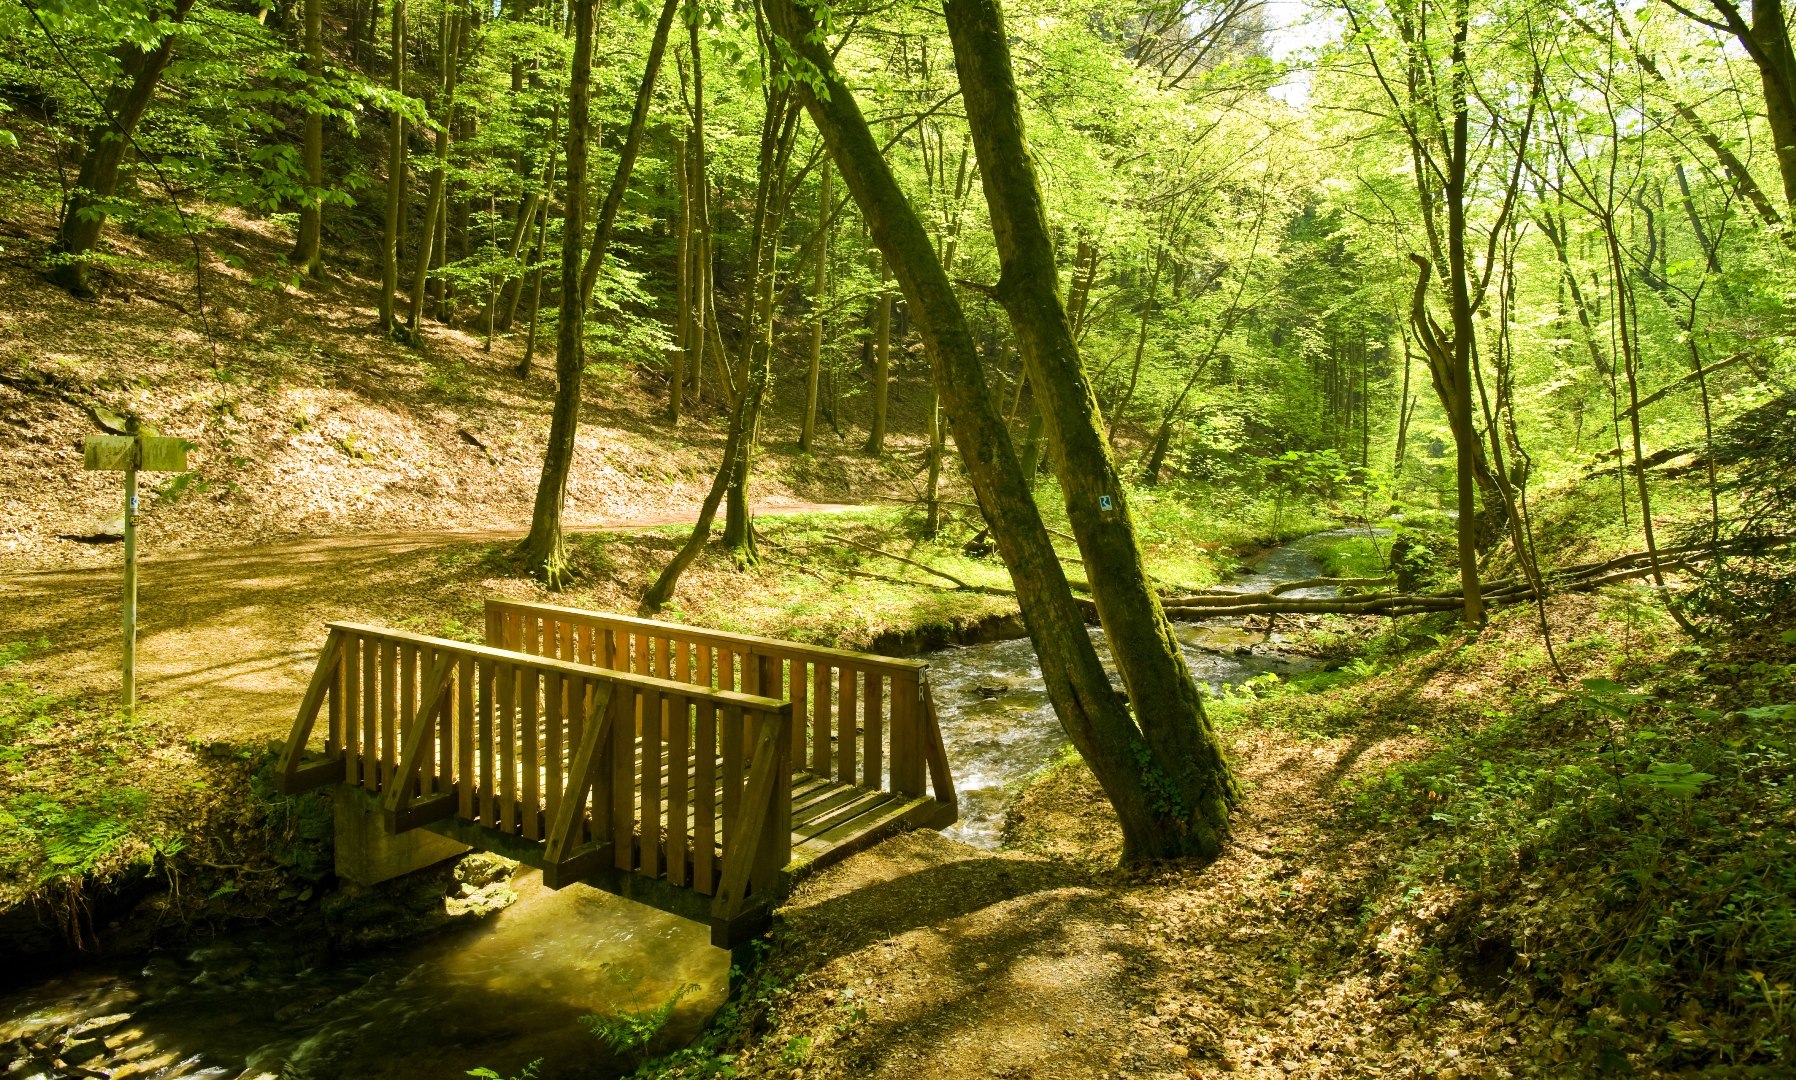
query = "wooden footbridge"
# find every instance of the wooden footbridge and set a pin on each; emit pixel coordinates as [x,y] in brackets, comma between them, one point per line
[697,771]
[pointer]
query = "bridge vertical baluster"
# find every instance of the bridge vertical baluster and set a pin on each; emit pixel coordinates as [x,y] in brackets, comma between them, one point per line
[599,805]
[370,714]
[731,735]
[907,743]
[800,683]
[388,712]
[679,772]
[683,661]
[873,756]
[704,797]
[464,737]
[506,708]
[623,775]
[726,669]
[489,688]
[650,772]
[822,718]
[529,761]
[706,676]
[343,705]
[408,698]
[847,724]
[774,847]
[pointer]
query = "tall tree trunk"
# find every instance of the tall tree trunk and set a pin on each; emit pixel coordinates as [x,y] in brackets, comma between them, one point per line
[778,130]
[542,244]
[882,362]
[395,221]
[807,433]
[307,250]
[543,550]
[107,141]
[1096,718]
[676,377]
[1147,315]
[626,160]
[1185,750]
[433,206]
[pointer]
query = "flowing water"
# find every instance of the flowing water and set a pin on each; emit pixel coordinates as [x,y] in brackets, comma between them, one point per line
[1000,729]
[511,988]
[501,993]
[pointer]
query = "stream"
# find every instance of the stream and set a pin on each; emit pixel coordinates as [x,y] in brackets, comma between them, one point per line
[501,992]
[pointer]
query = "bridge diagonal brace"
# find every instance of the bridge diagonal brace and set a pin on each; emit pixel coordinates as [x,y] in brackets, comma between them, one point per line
[756,811]
[941,776]
[562,862]
[399,807]
[291,777]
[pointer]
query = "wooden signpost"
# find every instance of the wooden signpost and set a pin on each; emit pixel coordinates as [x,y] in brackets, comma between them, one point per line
[141,451]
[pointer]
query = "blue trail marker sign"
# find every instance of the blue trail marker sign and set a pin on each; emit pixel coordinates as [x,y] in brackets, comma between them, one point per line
[144,451]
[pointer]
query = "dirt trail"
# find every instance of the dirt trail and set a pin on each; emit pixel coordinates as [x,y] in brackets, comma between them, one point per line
[227,637]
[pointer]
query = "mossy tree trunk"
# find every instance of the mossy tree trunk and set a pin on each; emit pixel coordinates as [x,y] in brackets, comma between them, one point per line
[543,550]
[807,432]
[394,223]
[307,250]
[107,142]
[882,362]
[433,204]
[1097,719]
[1186,752]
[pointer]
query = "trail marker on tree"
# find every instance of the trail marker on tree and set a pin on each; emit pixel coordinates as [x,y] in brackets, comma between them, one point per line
[141,450]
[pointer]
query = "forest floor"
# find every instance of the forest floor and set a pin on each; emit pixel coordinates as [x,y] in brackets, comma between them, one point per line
[1450,862]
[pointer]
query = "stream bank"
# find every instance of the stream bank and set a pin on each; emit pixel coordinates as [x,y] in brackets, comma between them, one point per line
[297,1000]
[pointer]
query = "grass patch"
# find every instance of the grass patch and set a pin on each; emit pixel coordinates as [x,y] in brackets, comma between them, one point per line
[72,800]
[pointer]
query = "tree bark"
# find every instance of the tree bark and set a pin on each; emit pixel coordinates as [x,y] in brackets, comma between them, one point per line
[808,432]
[395,223]
[626,161]
[433,205]
[1185,749]
[676,377]
[542,243]
[307,250]
[1096,718]
[882,363]
[107,141]
[543,550]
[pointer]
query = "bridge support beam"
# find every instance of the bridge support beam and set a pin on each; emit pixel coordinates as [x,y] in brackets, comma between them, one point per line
[368,855]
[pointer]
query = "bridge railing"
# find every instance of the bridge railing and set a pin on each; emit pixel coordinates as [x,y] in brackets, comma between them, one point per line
[554,750]
[856,718]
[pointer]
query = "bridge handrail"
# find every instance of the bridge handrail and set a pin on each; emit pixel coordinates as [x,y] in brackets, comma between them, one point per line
[863,719]
[547,749]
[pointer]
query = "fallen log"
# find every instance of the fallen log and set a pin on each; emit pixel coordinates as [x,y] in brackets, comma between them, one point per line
[1392,605]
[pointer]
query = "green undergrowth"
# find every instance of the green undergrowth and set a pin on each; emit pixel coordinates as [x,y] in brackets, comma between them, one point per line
[871,576]
[72,800]
[1606,858]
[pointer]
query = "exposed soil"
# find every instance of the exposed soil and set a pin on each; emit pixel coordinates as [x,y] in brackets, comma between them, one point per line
[228,638]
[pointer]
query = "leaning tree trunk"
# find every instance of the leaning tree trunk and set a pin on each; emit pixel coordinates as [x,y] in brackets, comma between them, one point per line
[433,205]
[777,132]
[882,364]
[1096,718]
[1186,752]
[395,221]
[306,250]
[95,185]
[807,433]
[626,160]
[543,550]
